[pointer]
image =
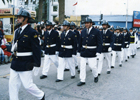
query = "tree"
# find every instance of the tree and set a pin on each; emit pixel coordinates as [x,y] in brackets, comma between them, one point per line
[7,1]
[40,10]
[61,10]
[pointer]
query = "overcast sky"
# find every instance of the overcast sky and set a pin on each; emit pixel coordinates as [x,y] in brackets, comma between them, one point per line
[114,7]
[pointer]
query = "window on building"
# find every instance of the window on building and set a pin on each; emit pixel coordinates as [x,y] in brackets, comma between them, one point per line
[54,18]
[54,8]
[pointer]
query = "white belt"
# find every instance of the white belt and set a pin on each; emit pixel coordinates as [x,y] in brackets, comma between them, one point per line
[52,45]
[24,54]
[125,42]
[68,46]
[106,44]
[89,47]
[117,44]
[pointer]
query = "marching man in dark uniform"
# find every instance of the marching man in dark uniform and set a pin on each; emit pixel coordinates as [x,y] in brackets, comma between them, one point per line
[76,58]
[90,46]
[27,56]
[133,42]
[107,37]
[51,47]
[67,51]
[126,43]
[117,47]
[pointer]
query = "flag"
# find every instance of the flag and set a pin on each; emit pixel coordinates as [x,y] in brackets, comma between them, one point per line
[75,4]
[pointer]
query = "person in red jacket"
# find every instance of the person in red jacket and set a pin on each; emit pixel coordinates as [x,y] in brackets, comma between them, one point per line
[7,54]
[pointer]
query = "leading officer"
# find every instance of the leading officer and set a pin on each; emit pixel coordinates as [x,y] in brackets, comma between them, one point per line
[27,56]
[90,45]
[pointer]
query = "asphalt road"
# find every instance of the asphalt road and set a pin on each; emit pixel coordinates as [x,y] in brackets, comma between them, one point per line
[122,84]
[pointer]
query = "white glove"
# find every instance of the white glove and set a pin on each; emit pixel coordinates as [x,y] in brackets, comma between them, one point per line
[36,71]
[127,45]
[57,53]
[14,47]
[109,49]
[43,51]
[78,54]
[98,55]
[73,55]
[121,49]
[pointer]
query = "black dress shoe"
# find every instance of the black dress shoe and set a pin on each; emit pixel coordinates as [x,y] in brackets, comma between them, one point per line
[112,66]
[72,77]
[108,72]
[96,79]
[120,65]
[99,74]
[81,83]
[43,76]
[132,56]
[125,60]
[66,70]
[58,80]
[76,67]
[43,97]
[78,71]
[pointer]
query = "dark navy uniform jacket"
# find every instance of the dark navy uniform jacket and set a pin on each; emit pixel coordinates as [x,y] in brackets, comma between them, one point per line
[119,41]
[51,39]
[27,42]
[68,40]
[78,35]
[92,39]
[126,39]
[108,40]
[132,37]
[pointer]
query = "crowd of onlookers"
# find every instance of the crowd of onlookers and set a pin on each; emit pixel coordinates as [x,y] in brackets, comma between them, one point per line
[5,49]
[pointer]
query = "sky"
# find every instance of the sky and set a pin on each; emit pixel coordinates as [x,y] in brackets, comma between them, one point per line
[96,7]
[106,7]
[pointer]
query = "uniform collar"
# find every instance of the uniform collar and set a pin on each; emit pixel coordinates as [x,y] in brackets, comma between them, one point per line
[105,31]
[89,29]
[67,32]
[23,27]
[50,31]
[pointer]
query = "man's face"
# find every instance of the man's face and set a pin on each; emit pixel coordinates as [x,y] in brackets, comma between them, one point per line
[124,31]
[118,31]
[20,19]
[65,28]
[111,30]
[104,27]
[88,25]
[130,30]
[48,27]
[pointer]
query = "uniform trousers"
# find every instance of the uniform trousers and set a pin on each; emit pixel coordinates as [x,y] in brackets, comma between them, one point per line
[92,62]
[132,49]
[63,62]
[122,56]
[119,53]
[125,53]
[24,77]
[101,59]
[47,63]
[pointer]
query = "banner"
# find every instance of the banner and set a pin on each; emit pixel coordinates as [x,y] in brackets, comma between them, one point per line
[136,19]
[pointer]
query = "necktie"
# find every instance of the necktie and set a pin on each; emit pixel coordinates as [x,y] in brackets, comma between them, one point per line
[19,30]
[87,31]
[104,31]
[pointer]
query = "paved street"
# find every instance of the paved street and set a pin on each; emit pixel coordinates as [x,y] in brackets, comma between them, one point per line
[122,84]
